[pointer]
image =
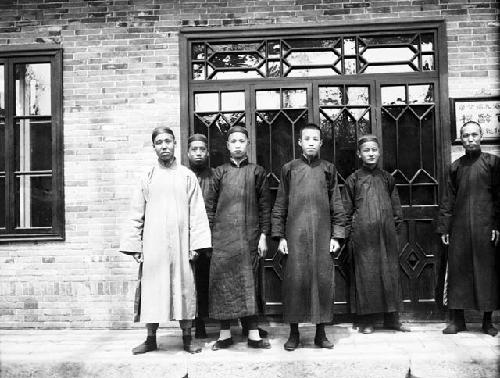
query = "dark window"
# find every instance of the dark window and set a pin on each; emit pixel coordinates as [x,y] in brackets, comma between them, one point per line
[31,151]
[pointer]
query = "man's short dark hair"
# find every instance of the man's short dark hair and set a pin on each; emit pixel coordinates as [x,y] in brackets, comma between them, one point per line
[471,123]
[311,126]
[161,130]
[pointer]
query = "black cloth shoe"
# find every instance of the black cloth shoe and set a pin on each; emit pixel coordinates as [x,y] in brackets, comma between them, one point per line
[323,343]
[262,332]
[293,342]
[397,327]
[188,346]
[453,328]
[147,346]
[489,329]
[223,344]
[366,329]
[259,344]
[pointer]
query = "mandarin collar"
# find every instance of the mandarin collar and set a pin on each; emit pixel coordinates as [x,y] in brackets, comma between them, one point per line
[172,164]
[242,162]
[309,161]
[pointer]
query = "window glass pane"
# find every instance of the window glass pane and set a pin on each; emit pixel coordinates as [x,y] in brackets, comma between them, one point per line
[393,54]
[232,101]
[2,92]
[199,71]
[236,46]
[306,72]
[389,68]
[33,89]
[393,95]
[33,145]
[427,42]
[388,40]
[268,99]
[273,69]
[198,51]
[273,49]
[294,98]
[427,62]
[33,201]
[306,58]
[349,46]
[357,96]
[311,43]
[206,102]
[420,93]
[350,66]
[225,60]
[226,75]
[330,96]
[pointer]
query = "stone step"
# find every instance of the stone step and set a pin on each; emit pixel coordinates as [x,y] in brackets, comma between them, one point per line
[425,352]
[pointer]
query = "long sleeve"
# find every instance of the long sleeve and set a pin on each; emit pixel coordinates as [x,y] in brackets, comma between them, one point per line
[199,229]
[131,236]
[264,200]
[397,210]
[447,204]
[495,188]
[212,196]
[348,198]
[280,209]
[337,212]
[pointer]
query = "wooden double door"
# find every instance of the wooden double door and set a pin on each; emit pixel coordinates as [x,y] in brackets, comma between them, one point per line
[405,117]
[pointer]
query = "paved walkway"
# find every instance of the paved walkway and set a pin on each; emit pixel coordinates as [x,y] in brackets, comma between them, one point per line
[425,352]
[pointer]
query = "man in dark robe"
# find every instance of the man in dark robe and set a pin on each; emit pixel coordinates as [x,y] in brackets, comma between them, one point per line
[469,222]
[239,214]
[308,218]
[198,162]
[374,214]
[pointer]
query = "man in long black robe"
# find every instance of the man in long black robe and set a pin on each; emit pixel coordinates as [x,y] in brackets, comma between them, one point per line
[373,213]
[198,163]
[239,215]
[469,223]
[308,217]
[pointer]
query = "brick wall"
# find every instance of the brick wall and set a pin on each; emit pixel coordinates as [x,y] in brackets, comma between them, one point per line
[121,80]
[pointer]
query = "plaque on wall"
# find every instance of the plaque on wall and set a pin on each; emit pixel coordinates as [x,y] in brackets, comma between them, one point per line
[484,110]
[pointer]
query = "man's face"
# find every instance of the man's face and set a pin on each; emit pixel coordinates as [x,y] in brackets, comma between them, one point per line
[310,142]
[471,137]
[164,145]
[237,144]
[369,153]
[197,153]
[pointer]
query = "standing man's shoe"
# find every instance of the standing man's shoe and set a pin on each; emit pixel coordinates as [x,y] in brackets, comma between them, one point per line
[292,343]
[323,343]
[490,329]
[188,346]
[452,329]
[147,346]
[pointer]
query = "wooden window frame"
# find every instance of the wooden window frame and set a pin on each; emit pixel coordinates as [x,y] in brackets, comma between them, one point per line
[188,85]
[9,56]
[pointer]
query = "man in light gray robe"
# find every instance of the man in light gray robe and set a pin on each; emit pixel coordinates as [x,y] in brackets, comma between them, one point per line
[166,226]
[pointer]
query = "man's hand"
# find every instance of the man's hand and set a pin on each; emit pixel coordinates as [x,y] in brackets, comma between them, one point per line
[262,248]
[138,257]
[193,255]
[445,239]
[334,246]
[283,247]
[495,236]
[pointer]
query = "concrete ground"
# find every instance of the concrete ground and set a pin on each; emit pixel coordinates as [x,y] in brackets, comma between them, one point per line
[425,352]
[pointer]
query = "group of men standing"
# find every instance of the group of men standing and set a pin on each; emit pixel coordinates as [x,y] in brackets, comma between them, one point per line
[200,233]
